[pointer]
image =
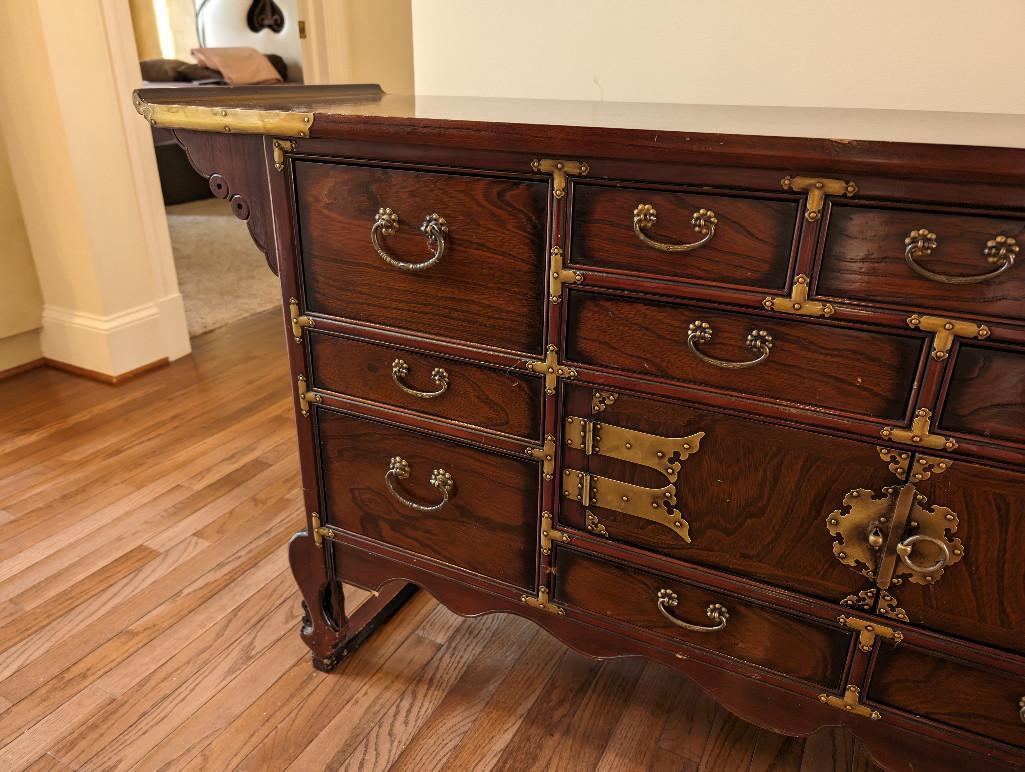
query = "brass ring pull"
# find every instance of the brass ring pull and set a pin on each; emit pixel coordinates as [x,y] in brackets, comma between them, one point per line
[399,370]
[758,341]
[905,547]
[717,612]
[1000,250]
[703,222]
[440,479]
[386,222]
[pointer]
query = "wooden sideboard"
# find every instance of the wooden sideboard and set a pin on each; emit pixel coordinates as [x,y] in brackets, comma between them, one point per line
[665,380]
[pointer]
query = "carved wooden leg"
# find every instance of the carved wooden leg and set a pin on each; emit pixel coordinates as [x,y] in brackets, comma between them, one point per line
[326,628]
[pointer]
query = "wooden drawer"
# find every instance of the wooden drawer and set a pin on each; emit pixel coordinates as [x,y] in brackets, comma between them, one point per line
[751,244]
[754,497]
[488,524]
[492,269]
[865,260]
[974,698]
[986,395]
[824,366]
[752,633]
[499,400]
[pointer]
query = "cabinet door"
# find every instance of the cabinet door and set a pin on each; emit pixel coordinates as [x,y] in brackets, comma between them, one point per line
[752,498]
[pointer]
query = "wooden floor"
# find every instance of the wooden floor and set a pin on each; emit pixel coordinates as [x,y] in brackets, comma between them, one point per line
[148,619]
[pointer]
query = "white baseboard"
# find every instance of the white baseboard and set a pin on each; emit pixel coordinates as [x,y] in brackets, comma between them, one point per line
[176,329]
[111,345]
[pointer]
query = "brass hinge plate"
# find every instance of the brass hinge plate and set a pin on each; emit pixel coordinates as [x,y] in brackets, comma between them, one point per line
[559,275]
[306,397]
[920,433]
[551,370]
[798,302]
[550,534]
[541,601]
[299,322]
[869,631]
[945,330]
[817,189]
[655,504]
[664,454]
[850,703]
[282,146]
[546,455]
[559,169]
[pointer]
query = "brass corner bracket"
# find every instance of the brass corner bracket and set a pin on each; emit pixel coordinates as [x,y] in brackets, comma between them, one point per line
[299,322]
[306,397]
[551,369]
[798,302]
[869,631]
[898,460]
[319,531]
[560,275]
[593,524]
[850,703]
[282,146]
[550,534]
[920,433]
[817,189]
[540,601]
[945,331]
[546,455]
[559,169]
[602,399]
[281,123]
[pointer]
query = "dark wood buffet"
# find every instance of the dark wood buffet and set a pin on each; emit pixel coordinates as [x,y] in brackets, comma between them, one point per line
[750,405]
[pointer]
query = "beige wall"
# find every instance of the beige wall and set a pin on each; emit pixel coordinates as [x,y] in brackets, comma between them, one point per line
[915,54]
[21,302]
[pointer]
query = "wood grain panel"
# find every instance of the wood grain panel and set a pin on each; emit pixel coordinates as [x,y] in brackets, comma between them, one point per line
[756,495]
[488,286]
[492,399]
[864,260]
[954,693]
[986,396]
[752,633]
[979,598]
[489,525]
[751,246]
[817,365]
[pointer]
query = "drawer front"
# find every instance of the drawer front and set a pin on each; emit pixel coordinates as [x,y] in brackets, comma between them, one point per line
[752,633]
[755,497]
[490,398]
[488,524]
[986,396]
[751,244]
[492,267]
[865,260]
[979,597]
[839,368]
[976,699]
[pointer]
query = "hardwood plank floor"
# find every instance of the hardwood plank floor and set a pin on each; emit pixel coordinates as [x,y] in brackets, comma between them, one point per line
[148,619]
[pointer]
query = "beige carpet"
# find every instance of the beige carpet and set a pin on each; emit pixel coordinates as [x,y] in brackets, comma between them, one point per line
[221,273]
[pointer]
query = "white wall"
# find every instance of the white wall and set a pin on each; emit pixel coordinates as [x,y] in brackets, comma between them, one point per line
[904,54]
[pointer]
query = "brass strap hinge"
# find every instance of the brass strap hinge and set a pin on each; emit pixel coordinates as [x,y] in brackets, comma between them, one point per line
[560,275]
[546,455]
[299,322]
[817,189]
[306,397]
[655,504]
[945,331]
[320,531]
[869,631]
[798,302]
[850,703]
[559,169]
[920,433]
[282,146]
[551,370]
[550,534]
[663,454]
[540,601]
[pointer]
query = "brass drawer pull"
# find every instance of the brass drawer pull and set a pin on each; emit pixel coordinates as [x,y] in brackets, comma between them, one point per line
[440,479]
[1000,250]
[717,612]
[386,222]
[905,547]
[758,341]
[703,221]
[399,370]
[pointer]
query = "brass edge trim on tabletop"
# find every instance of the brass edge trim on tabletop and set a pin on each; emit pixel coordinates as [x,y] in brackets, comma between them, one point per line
[282,123]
